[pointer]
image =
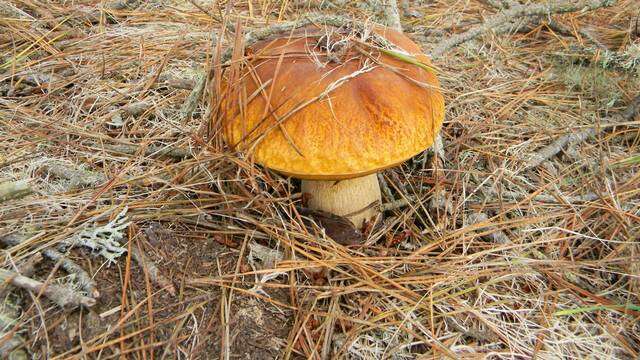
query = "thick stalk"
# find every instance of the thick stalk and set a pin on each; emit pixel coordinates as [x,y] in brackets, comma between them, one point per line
[356,199]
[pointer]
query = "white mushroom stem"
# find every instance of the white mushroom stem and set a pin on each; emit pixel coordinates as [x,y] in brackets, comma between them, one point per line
[356,199]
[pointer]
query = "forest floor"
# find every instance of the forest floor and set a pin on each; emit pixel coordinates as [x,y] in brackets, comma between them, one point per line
[127,232]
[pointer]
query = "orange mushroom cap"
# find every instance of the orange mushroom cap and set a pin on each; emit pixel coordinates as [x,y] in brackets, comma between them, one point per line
[321,103]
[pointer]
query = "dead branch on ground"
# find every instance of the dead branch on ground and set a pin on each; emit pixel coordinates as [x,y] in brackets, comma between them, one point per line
[573,139]
[496,23]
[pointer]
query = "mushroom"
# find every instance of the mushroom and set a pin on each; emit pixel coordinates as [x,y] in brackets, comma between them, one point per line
[332,107]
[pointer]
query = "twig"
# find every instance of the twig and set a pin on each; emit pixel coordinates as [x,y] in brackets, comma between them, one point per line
[133,109]
[497,235]
[438,200]
[501,4]
[317,4]
[77,177]
[64,296]
[176,82]
[603,57]
[551,23]
[192,101]
[384,186]
[390,12]
[9,348]
[575,138]
[26,268]
[137,108]
[495,22]
[10,340]
[14,190]
[10,11]
[478,334]
[152,150]
[400,203]
[561,28]
[83,279]
[406,10]
[122,4]
[154,273]
[519,196]
[508,195]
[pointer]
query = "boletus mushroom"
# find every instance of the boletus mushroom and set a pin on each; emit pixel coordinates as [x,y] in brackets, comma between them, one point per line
[332,107]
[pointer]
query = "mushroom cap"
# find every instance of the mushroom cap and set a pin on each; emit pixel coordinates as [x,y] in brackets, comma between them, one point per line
[321,103]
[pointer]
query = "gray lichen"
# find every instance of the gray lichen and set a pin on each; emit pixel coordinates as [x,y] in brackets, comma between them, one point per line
[105,239]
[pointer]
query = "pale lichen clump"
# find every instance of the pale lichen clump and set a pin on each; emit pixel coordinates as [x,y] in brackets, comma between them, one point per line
[104,240]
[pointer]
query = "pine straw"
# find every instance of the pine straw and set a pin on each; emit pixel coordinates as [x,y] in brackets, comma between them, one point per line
[424,282]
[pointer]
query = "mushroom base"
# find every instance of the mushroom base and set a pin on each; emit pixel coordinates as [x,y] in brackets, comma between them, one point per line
[354,199]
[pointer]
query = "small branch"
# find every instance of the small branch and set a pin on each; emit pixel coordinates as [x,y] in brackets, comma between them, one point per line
[153,150]
[317,4]
[625,61]
[176,82]
[406,10]
[192,101]
[514,196]
[585,33]
[83,279]
[78,178]
[478,334]
[136,109]
[26,268]
[400,203]
[508,195]
[439,200]
[14,190]
[122,4]
[11,342]
[133,109]
[497,235]
[8,10]
[390,13]
[565,141]
[264,258]
[64,296]
[86,283]
[10,347]
[384,186]
[154,273]
[501,4]
[497,21]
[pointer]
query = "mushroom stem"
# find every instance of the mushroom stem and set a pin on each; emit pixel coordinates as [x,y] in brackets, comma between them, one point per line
[353,198]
